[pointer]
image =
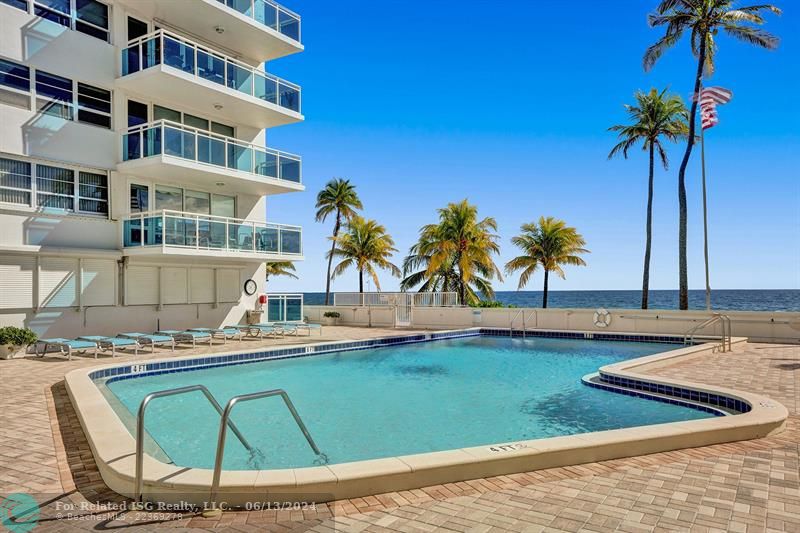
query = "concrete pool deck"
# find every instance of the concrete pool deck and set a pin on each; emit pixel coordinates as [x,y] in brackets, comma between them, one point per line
[747,484]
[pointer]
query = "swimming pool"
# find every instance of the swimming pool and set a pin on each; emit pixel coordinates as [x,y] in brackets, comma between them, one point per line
[396,400]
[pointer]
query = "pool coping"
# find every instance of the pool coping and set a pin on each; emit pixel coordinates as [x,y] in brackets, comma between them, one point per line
[113,446]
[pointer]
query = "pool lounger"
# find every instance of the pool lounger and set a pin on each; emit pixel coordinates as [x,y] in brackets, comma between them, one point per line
[64,346]
[280,328]
[193,337]
[113,343]
[146,339]
[259,330]
[303,325]
[226,332]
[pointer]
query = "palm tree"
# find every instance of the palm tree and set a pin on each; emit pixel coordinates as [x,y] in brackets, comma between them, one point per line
[446,278]
[281,268]
[549,244]
[455,254]
[702,19]
[654,116]
[366,246]
[338,196]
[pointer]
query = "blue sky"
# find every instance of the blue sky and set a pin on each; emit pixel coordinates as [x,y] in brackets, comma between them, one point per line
[421,104]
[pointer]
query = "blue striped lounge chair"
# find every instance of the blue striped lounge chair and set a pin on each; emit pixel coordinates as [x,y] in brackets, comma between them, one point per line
[145,339]
[63,347]
[185,336]
[113,343]
[226,333]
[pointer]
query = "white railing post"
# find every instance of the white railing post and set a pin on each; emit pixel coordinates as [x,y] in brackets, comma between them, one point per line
[280,240]
[227,236]
[197,232]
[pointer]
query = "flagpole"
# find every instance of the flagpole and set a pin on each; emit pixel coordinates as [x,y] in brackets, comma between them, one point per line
[705,213]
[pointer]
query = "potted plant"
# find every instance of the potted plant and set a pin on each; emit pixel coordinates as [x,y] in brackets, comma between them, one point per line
[329,317]
[13,340]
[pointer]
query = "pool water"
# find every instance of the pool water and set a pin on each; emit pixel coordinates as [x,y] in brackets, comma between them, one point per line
[399,400]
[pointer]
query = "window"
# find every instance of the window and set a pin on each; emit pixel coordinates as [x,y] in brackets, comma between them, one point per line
[19,4]
[93,193]
[15,84]
[140,201]
[223,206]
[195,122]
[197,202]
[137,113]
[94,105]
[55,187]
[169,198]
[53,95]
[15,181]
[53,10]
[86,16]
[92,18]
[222,129]
[136,28]
[165,113]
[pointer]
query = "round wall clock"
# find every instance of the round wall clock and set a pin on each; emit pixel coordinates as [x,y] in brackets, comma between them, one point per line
[250,287]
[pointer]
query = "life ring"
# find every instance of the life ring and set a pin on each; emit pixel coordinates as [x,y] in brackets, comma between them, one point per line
[602,318]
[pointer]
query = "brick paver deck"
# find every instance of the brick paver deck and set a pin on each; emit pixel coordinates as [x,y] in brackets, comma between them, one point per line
[749,486]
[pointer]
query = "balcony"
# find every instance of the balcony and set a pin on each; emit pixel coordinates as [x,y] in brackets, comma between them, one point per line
[177,233]
[260,30]
[175,152]
[171,69]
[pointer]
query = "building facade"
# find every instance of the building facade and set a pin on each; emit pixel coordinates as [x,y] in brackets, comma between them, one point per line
[134,168]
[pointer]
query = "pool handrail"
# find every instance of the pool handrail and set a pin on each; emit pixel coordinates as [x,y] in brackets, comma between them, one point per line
[223,426]
[139,479]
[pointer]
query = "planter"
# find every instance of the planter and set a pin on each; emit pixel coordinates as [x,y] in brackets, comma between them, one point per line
[329,320]
[11,351]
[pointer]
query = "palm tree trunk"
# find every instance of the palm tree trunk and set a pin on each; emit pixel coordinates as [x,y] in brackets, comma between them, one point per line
[683,281]
[336,227]
[649,231]
[544,295]
[361,283]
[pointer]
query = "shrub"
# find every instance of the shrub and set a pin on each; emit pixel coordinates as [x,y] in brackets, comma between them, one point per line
[491,304]
[17,336]
[331,314]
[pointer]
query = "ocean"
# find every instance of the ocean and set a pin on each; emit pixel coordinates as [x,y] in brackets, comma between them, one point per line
[721,300]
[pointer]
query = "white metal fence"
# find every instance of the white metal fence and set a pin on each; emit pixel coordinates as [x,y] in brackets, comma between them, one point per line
[390,299]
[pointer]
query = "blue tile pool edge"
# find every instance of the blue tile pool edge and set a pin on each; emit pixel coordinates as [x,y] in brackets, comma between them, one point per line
[590,380]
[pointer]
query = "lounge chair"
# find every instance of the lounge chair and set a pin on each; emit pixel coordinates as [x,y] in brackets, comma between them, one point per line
[303,325]
[64,347]
[114,343]
[259,330]
[226,332]
[187,336]
[146,339]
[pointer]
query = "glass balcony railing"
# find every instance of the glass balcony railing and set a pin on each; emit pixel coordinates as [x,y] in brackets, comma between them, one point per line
[165,48]
[174,139]
[207,232]
[269,14]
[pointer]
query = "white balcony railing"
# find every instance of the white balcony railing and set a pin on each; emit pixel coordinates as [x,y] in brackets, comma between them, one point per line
[192,231]
[269,14]
[162,47]
[173,139]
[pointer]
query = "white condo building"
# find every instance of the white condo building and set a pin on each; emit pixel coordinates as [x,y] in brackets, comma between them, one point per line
[134,168]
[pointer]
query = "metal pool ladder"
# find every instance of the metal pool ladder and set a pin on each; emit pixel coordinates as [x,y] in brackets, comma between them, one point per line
[225,423]
[724,320]
[223,427]
[521,312]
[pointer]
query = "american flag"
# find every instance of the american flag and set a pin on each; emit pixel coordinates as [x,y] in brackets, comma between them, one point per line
[709,98]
